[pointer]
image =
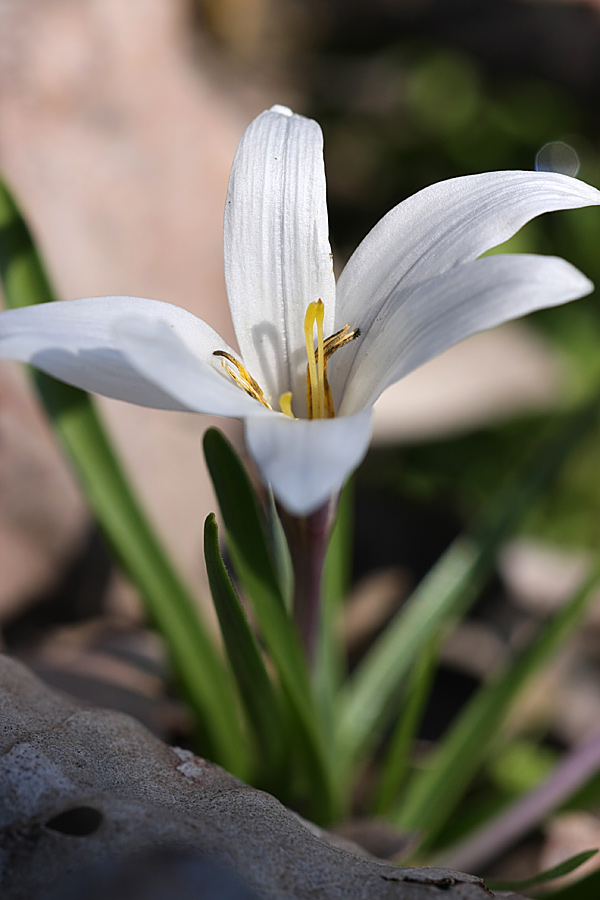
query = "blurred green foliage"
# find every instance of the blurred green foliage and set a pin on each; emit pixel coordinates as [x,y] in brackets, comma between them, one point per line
[521,765]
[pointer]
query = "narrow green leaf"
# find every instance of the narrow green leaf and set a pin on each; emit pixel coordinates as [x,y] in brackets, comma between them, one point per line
[367,699]
[397,764]
[173,611]
[337,571]
[563,868]
[446,592]
[24,279]
[587,888]
[281,555]
[246,528]
[435,793]
[260,700]
[250,553]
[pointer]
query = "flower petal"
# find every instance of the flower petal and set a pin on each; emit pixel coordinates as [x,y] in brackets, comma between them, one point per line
[159,354]
[443,225]
[306,461]
[421,323]
[74,340]
[276,246]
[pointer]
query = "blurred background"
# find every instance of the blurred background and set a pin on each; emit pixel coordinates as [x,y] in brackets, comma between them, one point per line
[118,125]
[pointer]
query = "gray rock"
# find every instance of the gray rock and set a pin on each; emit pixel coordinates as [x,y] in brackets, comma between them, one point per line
[91,804]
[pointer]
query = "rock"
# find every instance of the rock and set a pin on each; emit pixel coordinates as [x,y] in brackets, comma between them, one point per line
[89,797]
[161,875]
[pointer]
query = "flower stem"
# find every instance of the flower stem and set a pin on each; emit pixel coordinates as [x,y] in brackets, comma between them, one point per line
[308,537]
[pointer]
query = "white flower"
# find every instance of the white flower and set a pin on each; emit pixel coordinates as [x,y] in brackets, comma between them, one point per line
[414,286]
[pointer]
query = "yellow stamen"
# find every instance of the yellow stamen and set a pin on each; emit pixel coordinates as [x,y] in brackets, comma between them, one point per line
[319,401]
[316,358]
[330,345]
[285,404]
[320,360]
[242,377]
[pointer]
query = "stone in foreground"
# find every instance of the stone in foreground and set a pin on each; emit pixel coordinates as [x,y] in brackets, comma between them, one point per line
[89,795]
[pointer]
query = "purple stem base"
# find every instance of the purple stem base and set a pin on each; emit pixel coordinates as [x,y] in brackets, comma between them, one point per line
[308,537]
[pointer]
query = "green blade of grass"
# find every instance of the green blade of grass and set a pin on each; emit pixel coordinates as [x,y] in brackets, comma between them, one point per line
[247,543]
[261,703]
[366,701]
[200,671]
[587,888]
[563,868]
[435,793]
[281,554]
[247,539]
[397,763]
[330,662]
[446,592]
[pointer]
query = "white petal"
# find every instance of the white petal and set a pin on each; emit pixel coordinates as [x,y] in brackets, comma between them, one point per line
[443,225]
[159,354]
[307,461]
[74,341]
[276,245]
[438,313]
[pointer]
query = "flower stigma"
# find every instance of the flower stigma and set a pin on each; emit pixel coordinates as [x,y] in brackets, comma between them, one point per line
[315,390]
[319,401]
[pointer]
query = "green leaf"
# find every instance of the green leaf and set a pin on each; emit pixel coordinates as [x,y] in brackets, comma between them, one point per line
[397,763]
[201,673]
[587,888]
[246,528]
[563,868]
[254,566]
[367,702]
[281,554]
[330,662]
[434,794]
[260,700]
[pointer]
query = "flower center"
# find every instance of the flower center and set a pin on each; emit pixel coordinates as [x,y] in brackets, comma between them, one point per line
[319,402]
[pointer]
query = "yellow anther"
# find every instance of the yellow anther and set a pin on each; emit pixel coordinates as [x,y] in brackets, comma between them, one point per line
[285,404]
[316,360]
[242,376]
[339,339]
